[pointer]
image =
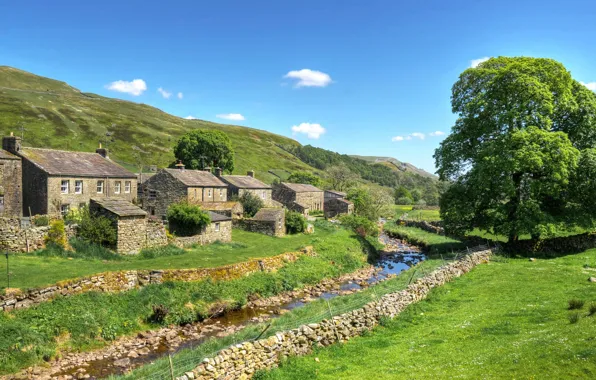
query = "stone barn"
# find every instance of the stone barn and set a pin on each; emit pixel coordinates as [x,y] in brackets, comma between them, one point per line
[11,196]
[302,198]
[130,222]
[268,221]
[336,204]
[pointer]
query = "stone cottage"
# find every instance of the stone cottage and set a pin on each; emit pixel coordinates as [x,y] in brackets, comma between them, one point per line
[240,184]
[55,181]
[129,220]
[220,229]
[11,196]
[302,198]
[268,221]
[176,185]
[336,204]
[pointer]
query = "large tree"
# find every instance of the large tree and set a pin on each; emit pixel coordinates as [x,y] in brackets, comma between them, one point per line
[201,147]
[514,153]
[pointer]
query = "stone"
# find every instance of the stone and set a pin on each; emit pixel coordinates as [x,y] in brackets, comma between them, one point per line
[592,279]
[124,362]
[532,259]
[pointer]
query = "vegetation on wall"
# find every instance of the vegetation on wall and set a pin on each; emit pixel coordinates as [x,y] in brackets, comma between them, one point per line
[185,219]
[295,222]
[251,204]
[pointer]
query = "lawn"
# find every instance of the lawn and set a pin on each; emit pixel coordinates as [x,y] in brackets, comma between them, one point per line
[431,242]
[30,271]
[506,319]
[428,215]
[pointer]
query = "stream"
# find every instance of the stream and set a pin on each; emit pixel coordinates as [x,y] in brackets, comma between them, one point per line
[144,348]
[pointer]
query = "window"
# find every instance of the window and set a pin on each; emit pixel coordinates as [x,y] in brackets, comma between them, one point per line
[264,195]
[152,194]
[64,187]
[209,193]
[78,187]
[64,209]
[127,186]
[216,227]
[117,185]
[220,193]
[1,202]
[99,187]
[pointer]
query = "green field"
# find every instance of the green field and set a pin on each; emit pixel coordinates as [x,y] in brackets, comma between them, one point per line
[431,242]
[30,271]
[409,214]
[507,319]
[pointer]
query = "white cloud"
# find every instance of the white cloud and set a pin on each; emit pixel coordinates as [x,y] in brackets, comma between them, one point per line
[190,117]
[164,93]
[590,85]
[436,133]
[418,135]
[309,78]
[180,95]
[312,131]
[397,138]
[475,62]
[135,87]
[231,116]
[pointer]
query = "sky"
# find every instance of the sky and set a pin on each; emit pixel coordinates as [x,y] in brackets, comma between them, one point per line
[360,77]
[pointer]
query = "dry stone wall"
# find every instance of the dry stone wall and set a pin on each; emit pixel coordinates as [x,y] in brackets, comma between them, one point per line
[215,231]
[127,280]
[424,225]
[14,238]
[243,360]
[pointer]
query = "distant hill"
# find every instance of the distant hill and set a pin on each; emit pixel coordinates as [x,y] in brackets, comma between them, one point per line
[396,164]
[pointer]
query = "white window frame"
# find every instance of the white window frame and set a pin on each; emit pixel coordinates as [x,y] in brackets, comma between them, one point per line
[127,187]
[117,187]
[64,186]
[64,209]
[209,193]
[100,187]
[78,189]
[216,227]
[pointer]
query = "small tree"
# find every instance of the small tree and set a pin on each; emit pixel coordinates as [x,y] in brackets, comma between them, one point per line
[251,204]
[304,177]
[362,226]
[341,177]
[202,147]
[57,234]
[400,193]
[96,228]
[404,201]
[186,219]
[295,222]
[370,202]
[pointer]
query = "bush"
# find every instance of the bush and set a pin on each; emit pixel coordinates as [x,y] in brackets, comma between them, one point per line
[56,234]
[575,304]
[160,312]
[295,222]
[574,317]
[81,250]
[404,201]
[41,221]
[96,229]
[186,220]
[168,250]
[421,202]
[74,216]
[305,178]
[251,204]
[359,224]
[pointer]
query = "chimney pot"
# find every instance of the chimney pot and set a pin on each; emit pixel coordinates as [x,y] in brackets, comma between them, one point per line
[218,172]
[207,169]
[251,173]
[102,151]
[11,143]
[180,165]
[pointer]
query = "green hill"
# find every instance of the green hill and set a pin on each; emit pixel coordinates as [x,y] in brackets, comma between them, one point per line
[56,115]
[396,164]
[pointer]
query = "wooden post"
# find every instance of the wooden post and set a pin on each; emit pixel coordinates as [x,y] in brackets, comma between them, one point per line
[171,366]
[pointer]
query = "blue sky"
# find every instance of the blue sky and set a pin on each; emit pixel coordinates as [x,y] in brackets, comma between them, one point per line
[375,76]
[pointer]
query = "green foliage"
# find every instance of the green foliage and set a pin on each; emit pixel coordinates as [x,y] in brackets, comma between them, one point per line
[167,250]
[432,243]
[340,177]
[41,221]
[401,192]
[514,153]
[574,317]
[404,201]
[592,309]
[186,220]
[82,249]
[575,304]
[305,178]
[56,234]
[361,225]
[251,203]
[201,147]
[371,202]
[295,222]
[96,229]
[74,216]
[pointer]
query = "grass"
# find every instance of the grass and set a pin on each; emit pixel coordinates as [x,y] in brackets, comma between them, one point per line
[490,236]
[432,243]
[428,215]
[313,312]
[93,319]
[507,319]
[35,270]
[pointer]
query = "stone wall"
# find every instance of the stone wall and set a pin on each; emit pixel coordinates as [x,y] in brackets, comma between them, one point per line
[126,280]
[338,206]
[11,196]
[14,238]
[314,200]
[241,361]
[266,227]
[423,225]
[156,233]
[132,234]
[166,190]
[216,231]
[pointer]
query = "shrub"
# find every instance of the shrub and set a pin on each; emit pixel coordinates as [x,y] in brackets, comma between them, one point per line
[359,224]
[295,222]
[96,228]
[168,250]
[186,219]
[41,221]
[575,304]
[74,216]
[251,204]
[160,312]
[56,234]
[592,309]
[574,317]
[404,201]
[421,202]
[304,177]
[82,249]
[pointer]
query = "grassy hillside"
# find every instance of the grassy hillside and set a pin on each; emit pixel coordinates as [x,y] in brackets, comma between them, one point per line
[59,116]
[396,164]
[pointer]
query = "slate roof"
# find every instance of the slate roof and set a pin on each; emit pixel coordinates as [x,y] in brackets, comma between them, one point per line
[245,182]
[4,155]
[76,164]
[119,206]
[339,193]
[268,214]
[196,178]
[215,217]
[145,177]
[300,187]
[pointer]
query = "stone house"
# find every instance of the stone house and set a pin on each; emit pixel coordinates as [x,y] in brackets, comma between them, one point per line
[129,220]
[240,184]
[220,229]
[56,181]
[268,221]
[177,185]
[302,198]
[11,177]
[336,204]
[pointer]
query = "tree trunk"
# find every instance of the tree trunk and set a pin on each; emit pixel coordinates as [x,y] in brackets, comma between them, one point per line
[513,207]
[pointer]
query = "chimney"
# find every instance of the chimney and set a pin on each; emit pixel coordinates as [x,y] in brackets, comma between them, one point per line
[218,172]
[153,168]
[180,165]
[207,169]
[102,151]
[251,173]
[11,143]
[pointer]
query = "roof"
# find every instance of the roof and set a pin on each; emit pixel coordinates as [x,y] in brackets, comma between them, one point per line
[215,217]
[76,164]
[300,187]
[245,182]
[120,207]
[4,155]
[269,214]
[144,176]
[219,206]
[197,178]
[341,194]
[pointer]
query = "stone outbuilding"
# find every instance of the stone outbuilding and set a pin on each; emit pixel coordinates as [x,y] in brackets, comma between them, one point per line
[11,178]
[230,209]
[56,181]
[181,185]
[240,184]
[302,198]
[130,222]
[220,229]
[268,221]
[336,204]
